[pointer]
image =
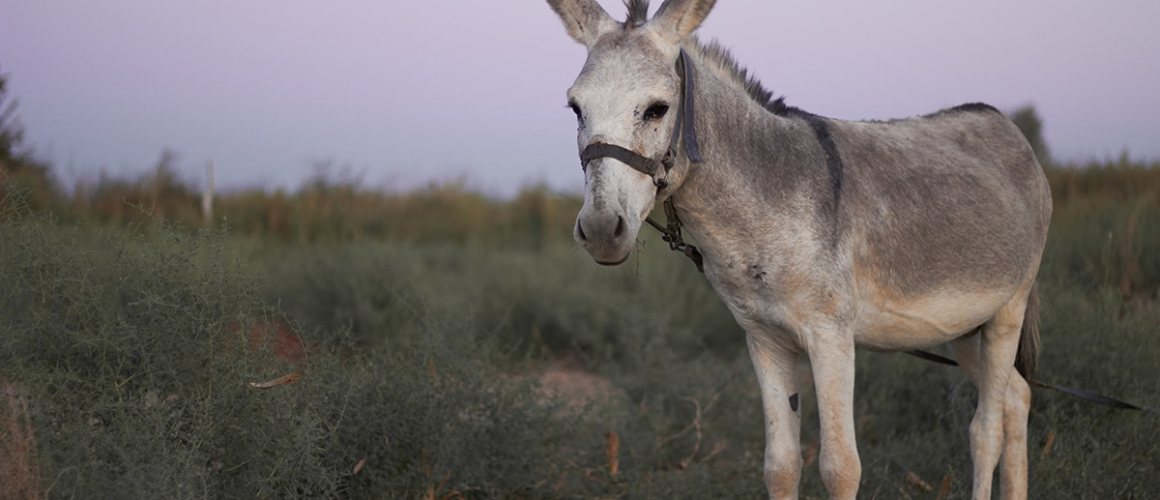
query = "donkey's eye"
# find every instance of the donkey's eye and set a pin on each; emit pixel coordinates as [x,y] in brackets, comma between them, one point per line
[655,112]
[576,109]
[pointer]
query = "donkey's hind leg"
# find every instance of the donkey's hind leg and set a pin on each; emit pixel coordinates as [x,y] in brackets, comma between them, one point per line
[1013,465]
[998,344]
[1016,405]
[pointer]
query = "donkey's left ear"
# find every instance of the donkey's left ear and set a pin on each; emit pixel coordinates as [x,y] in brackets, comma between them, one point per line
[676,19]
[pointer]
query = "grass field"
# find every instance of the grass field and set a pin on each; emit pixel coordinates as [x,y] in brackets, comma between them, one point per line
[449,345]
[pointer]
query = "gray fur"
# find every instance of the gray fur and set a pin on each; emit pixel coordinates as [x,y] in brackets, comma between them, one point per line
[952,203]
[890,170]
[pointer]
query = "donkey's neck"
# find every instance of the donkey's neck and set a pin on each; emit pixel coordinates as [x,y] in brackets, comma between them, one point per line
[762,177]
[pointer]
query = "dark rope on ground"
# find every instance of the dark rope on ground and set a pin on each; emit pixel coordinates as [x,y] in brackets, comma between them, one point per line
[1078,393]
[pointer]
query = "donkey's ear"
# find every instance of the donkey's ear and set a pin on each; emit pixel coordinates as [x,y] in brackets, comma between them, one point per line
[585,20]
[676,19]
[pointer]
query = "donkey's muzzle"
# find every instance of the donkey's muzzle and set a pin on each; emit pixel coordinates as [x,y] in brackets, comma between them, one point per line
[605,235]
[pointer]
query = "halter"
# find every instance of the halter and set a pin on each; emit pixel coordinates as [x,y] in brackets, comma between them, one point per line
[684,127]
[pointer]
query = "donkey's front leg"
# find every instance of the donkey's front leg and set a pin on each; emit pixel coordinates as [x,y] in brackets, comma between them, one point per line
[774,363]
[831,352]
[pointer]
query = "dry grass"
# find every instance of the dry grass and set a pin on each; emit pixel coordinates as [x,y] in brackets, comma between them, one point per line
[1101,183]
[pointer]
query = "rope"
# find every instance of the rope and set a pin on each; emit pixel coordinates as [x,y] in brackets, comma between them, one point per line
[1093,397]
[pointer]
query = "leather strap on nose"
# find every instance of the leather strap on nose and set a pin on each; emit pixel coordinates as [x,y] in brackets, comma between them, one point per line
[646,166]
[682,128]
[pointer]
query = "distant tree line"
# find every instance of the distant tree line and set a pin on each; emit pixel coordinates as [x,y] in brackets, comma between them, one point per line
[335,207]
[18,164]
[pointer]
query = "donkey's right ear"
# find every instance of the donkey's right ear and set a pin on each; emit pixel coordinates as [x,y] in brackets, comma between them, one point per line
[585,20]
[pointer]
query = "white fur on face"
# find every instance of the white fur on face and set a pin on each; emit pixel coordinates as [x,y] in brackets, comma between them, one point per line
[613,92]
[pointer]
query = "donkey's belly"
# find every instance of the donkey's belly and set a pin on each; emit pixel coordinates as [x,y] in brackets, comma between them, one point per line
[896,324]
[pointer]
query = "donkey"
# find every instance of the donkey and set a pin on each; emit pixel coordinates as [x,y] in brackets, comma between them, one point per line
[820,235]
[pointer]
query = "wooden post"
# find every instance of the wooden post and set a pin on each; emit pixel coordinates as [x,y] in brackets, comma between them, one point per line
[207,195]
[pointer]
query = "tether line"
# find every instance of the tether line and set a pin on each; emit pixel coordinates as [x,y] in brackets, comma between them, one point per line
[1093,397]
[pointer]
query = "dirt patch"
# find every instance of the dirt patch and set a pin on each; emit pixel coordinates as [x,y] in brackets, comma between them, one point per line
[577,387]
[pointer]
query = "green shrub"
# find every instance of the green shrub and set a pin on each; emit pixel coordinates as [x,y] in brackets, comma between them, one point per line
[137,356]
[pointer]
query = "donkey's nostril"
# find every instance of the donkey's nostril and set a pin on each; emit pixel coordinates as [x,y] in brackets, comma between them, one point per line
[619,227]
[580,231]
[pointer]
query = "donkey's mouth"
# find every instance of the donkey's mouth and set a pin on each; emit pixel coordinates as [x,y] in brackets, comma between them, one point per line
[617,263]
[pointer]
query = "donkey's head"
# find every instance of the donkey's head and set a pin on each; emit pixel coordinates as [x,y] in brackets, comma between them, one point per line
[627,101]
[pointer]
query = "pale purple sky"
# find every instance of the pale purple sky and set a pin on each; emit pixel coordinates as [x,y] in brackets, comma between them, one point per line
[428,90]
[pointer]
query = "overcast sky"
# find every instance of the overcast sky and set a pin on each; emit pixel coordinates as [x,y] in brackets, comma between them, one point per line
[410,92]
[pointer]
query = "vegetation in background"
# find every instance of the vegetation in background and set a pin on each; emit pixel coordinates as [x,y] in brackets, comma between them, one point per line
[18,165]
[448,345]
[1028,121]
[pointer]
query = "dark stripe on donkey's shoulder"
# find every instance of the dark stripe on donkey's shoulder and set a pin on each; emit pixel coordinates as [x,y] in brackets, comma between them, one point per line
[826,140]
[833,158]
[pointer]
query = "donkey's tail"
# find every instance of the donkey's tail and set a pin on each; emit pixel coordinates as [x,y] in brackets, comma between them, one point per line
[1027,357]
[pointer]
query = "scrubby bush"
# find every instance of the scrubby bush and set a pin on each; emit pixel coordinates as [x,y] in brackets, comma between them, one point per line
[135,353]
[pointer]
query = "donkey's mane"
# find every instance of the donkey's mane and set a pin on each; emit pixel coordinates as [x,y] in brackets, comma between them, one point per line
[718,59]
